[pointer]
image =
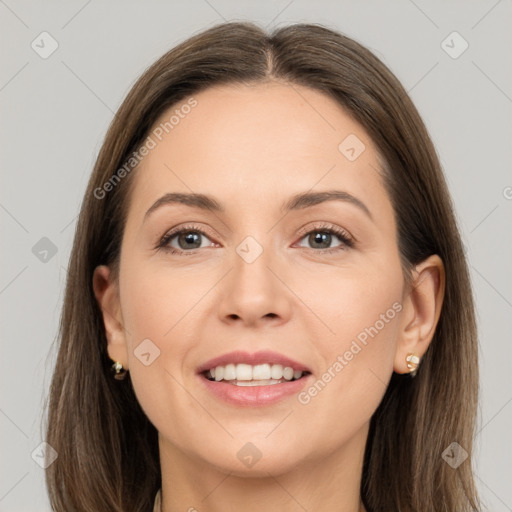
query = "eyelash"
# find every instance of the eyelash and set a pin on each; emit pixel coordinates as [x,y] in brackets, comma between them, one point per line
[347,240]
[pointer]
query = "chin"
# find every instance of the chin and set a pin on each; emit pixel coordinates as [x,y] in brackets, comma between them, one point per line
[254,458]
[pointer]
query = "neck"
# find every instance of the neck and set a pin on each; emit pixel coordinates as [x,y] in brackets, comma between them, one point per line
[329,483]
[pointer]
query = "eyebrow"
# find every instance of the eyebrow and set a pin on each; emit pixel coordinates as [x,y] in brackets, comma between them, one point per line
[296,202]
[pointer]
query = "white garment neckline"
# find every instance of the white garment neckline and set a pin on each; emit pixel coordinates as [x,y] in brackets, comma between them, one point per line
[157,507]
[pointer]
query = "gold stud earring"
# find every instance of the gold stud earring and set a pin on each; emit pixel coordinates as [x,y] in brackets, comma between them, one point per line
[118,371]
[412,363]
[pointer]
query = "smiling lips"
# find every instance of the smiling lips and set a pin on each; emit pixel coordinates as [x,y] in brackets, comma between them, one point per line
[264,357]
[262,368]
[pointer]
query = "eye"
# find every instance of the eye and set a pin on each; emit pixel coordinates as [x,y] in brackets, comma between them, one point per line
[188,238]
[321,237]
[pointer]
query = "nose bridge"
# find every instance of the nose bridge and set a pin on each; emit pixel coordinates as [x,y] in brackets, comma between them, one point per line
[254,291]
[251,273]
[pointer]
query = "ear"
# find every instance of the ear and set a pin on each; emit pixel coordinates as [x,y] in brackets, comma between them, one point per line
[107,294]
[421,310]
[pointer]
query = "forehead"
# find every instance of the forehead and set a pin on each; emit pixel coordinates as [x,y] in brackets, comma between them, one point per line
[284,119]
[247,142]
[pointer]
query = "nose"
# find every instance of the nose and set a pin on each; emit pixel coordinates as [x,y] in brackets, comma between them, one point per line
[255,293]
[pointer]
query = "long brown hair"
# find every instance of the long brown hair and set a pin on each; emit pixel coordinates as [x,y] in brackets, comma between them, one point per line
[107,448]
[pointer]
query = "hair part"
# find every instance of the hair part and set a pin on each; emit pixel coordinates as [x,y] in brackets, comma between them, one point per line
[108,456]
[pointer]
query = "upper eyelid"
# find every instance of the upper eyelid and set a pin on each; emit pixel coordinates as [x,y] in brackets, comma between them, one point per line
[175,231]
[327,226]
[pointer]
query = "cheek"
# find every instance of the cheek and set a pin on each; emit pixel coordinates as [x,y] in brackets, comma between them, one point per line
[352,304]
[156,303]
[357,343]
[156,311]
[155,308]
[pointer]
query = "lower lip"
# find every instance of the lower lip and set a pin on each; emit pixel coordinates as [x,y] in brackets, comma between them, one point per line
[254,395]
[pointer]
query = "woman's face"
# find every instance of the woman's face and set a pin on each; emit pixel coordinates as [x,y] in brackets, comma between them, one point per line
[258,276]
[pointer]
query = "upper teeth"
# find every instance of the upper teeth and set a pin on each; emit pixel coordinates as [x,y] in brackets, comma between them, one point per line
[265,371]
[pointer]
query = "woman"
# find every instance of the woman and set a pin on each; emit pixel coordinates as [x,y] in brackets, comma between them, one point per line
[256,369]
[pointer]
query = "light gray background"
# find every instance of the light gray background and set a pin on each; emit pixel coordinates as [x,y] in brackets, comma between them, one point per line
[55,113]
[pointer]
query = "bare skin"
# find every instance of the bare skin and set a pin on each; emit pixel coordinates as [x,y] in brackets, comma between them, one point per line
[252,148]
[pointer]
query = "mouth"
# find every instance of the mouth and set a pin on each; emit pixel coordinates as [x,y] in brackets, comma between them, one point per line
[257,379]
